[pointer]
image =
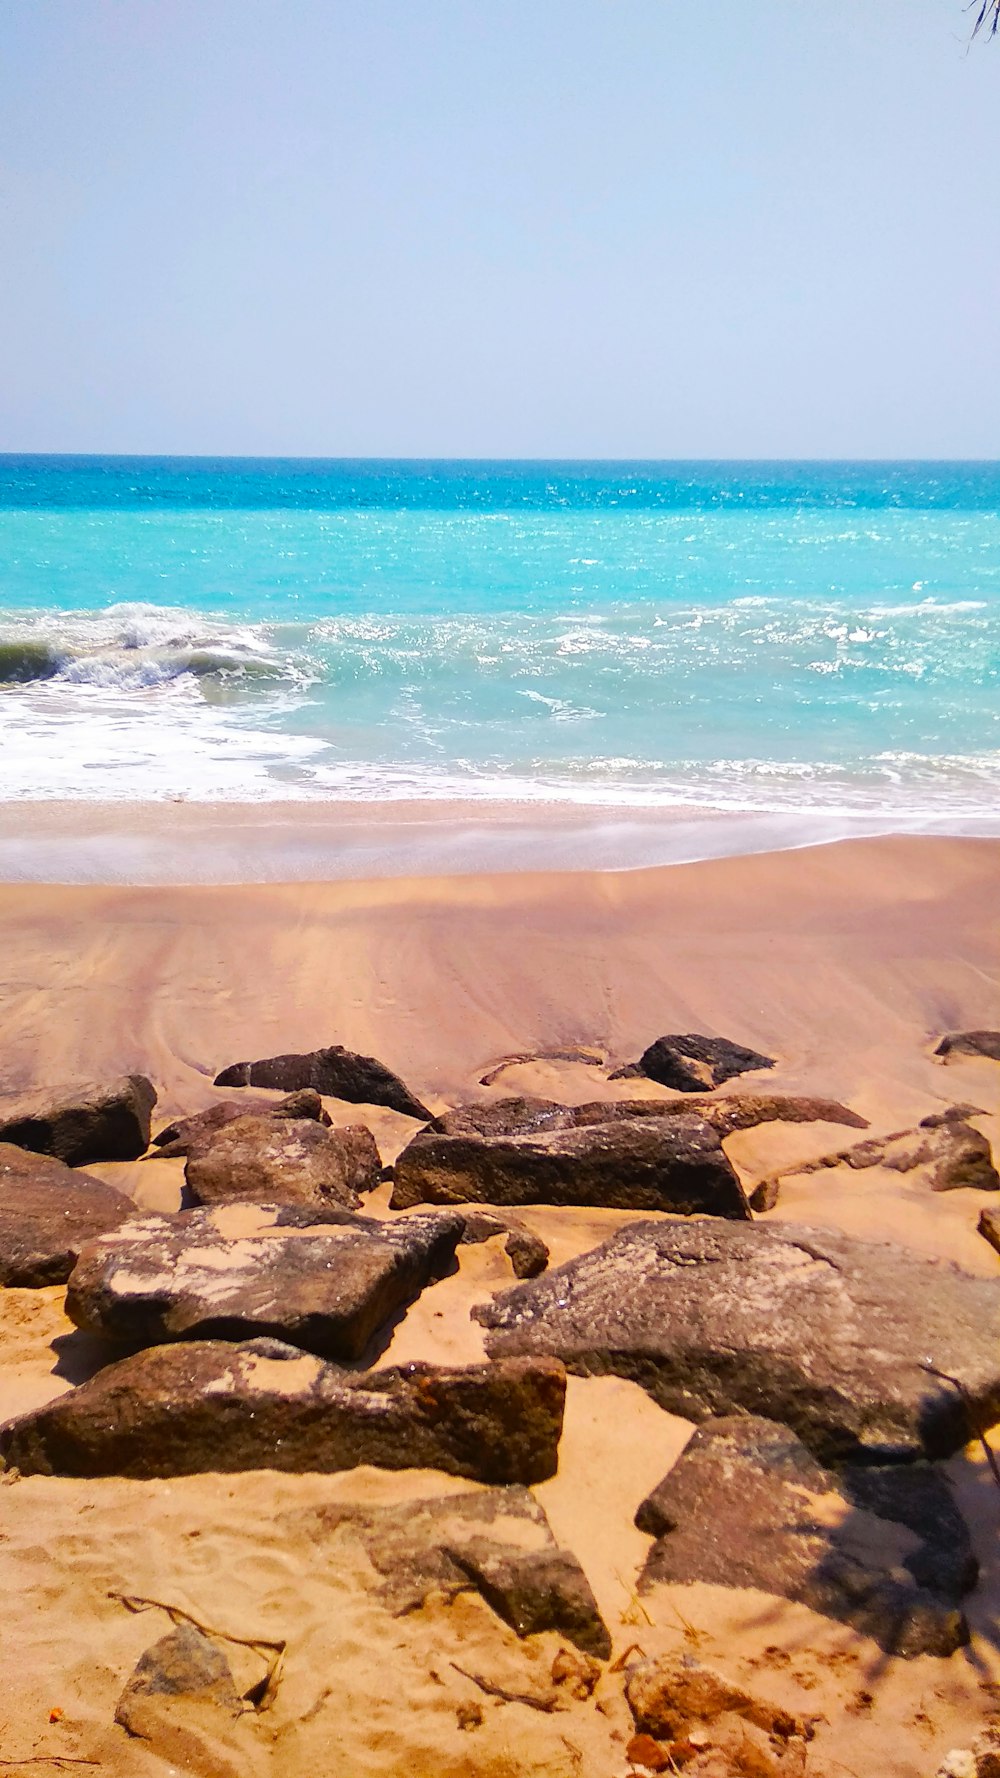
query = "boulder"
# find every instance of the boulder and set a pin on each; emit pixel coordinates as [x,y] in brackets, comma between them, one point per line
[282,1160]
[48,1213]
[884,1549]
[206,1405]
[322,1280]
[690,1063]
[954,1154]
[83,1124]
[183,1669]
[526,1251]
[497,1542]
[971,1043]
[703,1717]
[339,1073]
[184,1133]
[737,1111]
[644,1164]
[860,1347]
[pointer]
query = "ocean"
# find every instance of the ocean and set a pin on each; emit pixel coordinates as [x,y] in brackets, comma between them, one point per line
[781,637]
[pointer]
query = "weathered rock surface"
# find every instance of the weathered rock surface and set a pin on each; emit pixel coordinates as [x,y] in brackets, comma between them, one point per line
[283,1160]
[497,1542]
[989,1227]
[710,1725]
[737,1111]
[338,1072]
[883,1549]
[48,1212]
[526,1251]
[208,1405]
[689,1063]
[644,1164]
[519,1115]
[971,1043]
[322,1280]
[84,1123]
[834,1337]
[184,1668]
[955,1155]
[187,1132]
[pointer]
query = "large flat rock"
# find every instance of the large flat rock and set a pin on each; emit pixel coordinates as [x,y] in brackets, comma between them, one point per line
[336,1071]
[104,1122]
[48,1212]
[642,1164]
[283,1160]
[841,1340]
[326,1281]
[206,1405]
[884,1549]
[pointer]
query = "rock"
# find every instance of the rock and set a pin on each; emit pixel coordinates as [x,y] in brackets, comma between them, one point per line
[952,1114]
[322,1280]
[497,1542]
[534,1590]
[676,1698]
[577,1674]
[647,1164]
[832,1336]
[989,1227]
[286,1160]
[48,1213]
[737,1111]
[207,1405]
[177,1138]
[747,1506]
[971,1043]
[955,1154]
[526,1251]
[981,1760]
[183,1667]
[765,1194]
[83,1124]
[569,1053]
[691,1063]
[339,1073]
[516,1116]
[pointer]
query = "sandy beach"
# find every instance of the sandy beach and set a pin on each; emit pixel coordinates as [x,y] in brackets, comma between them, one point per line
[846,963]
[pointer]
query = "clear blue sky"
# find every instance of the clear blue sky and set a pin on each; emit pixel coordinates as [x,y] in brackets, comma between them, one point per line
[499,227]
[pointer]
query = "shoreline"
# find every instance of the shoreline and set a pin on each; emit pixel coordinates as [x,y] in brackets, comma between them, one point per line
[163,843]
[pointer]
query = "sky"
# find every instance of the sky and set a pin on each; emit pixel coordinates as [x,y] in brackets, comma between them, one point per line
[509,228]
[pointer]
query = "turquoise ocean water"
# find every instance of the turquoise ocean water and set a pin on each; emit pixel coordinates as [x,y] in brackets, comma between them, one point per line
[779,637]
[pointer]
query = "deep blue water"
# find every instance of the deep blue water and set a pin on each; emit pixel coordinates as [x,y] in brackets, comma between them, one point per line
[764,635]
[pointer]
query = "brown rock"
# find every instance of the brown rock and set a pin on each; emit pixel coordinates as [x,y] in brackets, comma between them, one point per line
[989,1227]
[526,1251]
[184,1133]
[282,1160]
[322,1280]
[520,1115]
[690,1063]
[82,1124]
[885,1550]
[183,1668]
[576,1673]
[971,1043]
[955,1154]
[840,1339]
[535,1590]
[210,1406]
[337,1072]
[647,1164]
[675,1698]
[736,1111]
[48,1213]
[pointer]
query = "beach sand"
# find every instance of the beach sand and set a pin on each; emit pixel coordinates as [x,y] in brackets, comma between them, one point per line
[846,962]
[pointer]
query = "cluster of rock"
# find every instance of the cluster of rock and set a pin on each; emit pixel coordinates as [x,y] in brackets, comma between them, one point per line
[827,1376]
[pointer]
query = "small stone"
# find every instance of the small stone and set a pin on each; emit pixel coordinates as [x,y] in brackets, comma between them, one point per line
[184,1668]
[535,1590]
[643,1751]
[576,1673]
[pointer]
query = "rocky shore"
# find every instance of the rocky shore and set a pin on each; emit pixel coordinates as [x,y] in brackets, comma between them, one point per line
[611,1404]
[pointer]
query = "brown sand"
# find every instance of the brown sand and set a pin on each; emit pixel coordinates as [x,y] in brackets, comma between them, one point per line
[846,962]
